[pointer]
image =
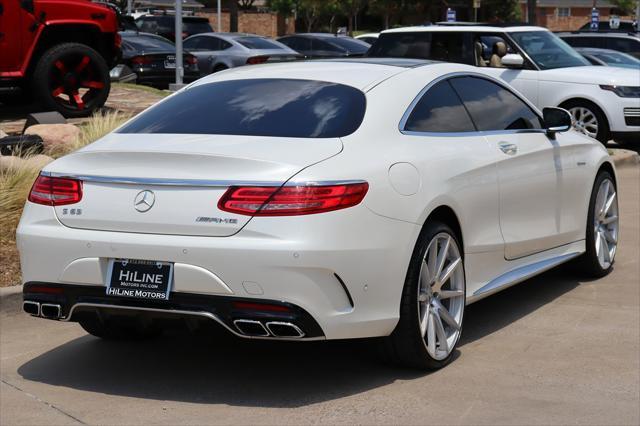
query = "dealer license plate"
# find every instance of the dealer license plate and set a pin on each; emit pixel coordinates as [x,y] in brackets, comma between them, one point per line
[139,279]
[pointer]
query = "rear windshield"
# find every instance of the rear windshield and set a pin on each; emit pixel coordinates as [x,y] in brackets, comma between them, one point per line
[257,43]
[257,107]
[146,43]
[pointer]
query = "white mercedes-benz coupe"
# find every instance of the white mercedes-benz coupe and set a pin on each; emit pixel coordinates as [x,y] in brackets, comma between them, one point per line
[318,200]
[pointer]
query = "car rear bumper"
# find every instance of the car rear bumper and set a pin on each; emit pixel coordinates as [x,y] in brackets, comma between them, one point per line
[66,302]
[346,269]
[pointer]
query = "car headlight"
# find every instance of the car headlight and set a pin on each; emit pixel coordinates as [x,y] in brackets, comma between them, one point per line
[623,91]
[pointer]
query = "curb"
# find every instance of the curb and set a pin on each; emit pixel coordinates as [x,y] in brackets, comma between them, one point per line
[6,292]
[624,157]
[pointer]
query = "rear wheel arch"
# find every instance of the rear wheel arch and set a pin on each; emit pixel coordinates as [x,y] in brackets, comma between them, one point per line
[447,215]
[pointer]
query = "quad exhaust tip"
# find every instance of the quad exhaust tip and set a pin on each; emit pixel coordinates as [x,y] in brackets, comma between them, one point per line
[251,328]
[32,308]
[44,310]
[50,311]
[284,329]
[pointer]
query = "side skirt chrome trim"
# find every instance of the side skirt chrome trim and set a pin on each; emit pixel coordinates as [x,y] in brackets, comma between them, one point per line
[518,275]
[204,314]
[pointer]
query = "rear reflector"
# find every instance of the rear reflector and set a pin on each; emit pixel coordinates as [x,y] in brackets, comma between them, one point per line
[261,307]
[55,191]
[44,289]
[254,60]
[291,200]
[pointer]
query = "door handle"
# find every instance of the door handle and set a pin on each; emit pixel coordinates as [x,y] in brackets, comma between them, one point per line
[508,148]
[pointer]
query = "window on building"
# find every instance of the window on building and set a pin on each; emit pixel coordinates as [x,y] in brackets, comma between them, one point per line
[563,12]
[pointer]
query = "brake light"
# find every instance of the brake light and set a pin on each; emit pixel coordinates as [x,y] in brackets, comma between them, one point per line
[55,191]
[140,60]
[255,60]
[291,200]
[118,40]
[190,59]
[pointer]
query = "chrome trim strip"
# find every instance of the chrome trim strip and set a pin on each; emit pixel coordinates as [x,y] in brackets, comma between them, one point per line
[193,182]
[412,105]
[286,324]
[518,275]
[204,314]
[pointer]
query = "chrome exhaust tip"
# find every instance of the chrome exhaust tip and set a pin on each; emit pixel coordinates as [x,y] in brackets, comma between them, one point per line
[284,329]
[50,311]
[32,308]
[251,328]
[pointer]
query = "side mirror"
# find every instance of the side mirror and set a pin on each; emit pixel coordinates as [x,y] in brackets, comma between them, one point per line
[512,60]
[556,120]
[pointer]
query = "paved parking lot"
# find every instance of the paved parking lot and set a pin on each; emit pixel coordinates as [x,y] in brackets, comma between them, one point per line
[553,350]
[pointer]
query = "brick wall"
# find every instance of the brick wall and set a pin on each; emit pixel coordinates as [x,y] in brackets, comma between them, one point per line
[265,24]
[579,16]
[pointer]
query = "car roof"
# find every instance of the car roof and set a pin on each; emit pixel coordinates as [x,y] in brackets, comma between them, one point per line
[361,74]
[319,35]
[618,34]
[464,28]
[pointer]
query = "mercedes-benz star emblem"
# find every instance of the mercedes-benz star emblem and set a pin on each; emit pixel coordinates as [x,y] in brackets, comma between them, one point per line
[144,201]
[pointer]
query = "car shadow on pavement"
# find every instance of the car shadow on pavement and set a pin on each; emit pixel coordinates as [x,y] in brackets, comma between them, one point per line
[206,368]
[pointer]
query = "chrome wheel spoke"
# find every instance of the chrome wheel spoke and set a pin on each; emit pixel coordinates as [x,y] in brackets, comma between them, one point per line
[606,223]
[448,294]
[424,321]
[440,333]
[446,316]
[446,274]
[431,335]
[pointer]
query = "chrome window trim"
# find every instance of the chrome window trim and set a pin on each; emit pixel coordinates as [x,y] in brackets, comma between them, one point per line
[412,105]
[194,182]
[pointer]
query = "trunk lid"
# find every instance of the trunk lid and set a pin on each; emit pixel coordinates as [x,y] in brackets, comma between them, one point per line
[182,176]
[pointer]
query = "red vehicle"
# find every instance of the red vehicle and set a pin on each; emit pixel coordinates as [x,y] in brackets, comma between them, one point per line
[58,53]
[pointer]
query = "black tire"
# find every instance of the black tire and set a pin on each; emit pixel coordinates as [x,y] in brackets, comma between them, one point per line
[220,67]
[62,71]
[110,330]
[406,345]
[603,134]
[588,263]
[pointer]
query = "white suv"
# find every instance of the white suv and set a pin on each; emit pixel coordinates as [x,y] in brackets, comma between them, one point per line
[604,102]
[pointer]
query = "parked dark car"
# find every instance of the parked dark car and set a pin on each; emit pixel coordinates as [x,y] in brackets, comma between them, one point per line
[153,59]
[628,43]
[164,25]
[607,57]
[325,45]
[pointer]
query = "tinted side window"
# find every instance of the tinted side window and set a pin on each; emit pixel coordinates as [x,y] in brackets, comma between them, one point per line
[439,110]
[193,43]
[626,45]
[493,107]
[257,107]
[210,43]
[323,45]
[440,46]
[584,41]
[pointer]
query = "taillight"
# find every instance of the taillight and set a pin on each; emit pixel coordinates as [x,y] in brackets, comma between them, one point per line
[291,200]
[190,59]
[55,191]
[255,60]
[140,60]
[118,40]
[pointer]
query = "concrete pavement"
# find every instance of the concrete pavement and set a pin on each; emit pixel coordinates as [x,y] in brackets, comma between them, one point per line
[554,350]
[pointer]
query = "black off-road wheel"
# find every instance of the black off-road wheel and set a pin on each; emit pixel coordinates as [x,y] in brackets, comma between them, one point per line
[71,78]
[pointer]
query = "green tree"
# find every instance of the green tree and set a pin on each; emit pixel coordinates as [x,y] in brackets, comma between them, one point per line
[386,9]
[626,6]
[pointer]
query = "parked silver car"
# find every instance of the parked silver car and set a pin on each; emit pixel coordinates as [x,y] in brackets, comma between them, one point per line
[219,51]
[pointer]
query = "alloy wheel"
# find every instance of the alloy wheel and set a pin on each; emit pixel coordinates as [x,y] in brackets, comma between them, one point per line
[584,121]
[441,296]
[75,81]
[605,218]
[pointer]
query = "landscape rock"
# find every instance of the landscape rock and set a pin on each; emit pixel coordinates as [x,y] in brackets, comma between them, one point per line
[2,134]
[55,137]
